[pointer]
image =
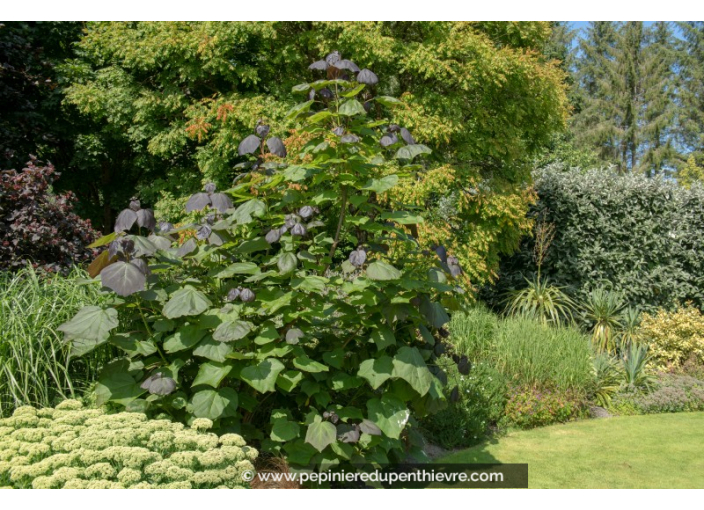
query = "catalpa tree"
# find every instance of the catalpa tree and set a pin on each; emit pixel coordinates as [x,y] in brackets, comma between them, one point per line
[298,308]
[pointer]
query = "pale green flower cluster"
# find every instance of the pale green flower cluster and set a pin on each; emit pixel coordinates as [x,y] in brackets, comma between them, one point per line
[75,448]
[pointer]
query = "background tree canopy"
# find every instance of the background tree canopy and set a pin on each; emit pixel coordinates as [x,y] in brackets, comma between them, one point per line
[168,103]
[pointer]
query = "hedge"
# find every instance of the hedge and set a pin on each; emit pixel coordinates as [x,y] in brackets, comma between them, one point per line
[642,236]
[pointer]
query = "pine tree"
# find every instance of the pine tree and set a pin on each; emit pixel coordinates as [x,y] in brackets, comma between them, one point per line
[690,125]
[593,125]
[659,109]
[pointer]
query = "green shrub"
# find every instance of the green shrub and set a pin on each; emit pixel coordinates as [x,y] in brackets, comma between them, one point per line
[530,407]
[35,368]
[643,236]
[479,405]
[71,447]
[670,394]
[608,378]
[299,309]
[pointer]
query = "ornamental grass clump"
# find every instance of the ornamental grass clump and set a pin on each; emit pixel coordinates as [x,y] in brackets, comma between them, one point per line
[299,309]
[72,447]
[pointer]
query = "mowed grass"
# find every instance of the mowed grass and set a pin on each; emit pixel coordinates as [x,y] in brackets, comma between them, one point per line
[630,452]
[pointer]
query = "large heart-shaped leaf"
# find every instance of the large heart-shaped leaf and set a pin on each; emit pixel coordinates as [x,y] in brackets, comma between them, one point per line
[214,404]
[381,185]
[229,331]
[186,301]
[320,434]
[352,107]
[383,337]
[376,371]
[91,323]
[211,373]
[410,366]
[213,350]
[411,151]
[389,413]
[123,278]
[382,271]
[284,430]
[434,312]
[116,384]
[287,263]
[185,338]
[262,377]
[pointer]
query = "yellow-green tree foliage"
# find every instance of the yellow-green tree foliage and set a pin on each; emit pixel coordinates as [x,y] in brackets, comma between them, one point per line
[674,337]
[690,173]
[71,447]
[181,95]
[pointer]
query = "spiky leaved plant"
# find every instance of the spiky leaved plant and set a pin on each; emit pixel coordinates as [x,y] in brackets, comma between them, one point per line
[299,309]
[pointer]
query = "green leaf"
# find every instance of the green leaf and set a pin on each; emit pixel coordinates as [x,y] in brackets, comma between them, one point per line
[247,211]
[298,109]
[410,366]
[434,313]
[186,301]
[89,328]
[287,263]
[103,240]
[300,88]
[262,377]
[184,338]
[289,380]
[383,337]
[402,217]
[381,185]
[211,373]
[267,334]
[115,384]
[390,414]
[320,434]
[353,92]
[310,283]
[229,331]
[308,365]
[411,151]
[213,350]
[236,268]
[376,371]
[284,430]
[382,271]
[123,278]
[388,100]
[352,107]
[214,404]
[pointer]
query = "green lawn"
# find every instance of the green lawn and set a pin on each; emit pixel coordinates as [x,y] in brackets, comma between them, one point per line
[654,451]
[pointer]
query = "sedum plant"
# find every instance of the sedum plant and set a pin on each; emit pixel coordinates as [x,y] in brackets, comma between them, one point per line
[71,447]
[298,308]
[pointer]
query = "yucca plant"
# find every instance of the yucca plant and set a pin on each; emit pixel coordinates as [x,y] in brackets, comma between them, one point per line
[603,310]
[630,322]
[541,301]
[608,375]
[634,360]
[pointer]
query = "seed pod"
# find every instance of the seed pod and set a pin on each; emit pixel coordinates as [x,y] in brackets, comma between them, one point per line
[273,236]
[299,230]
[247,295]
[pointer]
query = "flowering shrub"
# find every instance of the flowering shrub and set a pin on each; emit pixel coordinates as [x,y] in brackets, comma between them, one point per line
[674,337]
[39,227]
[474,407]
[71,447]
[530,407]
[672,394]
